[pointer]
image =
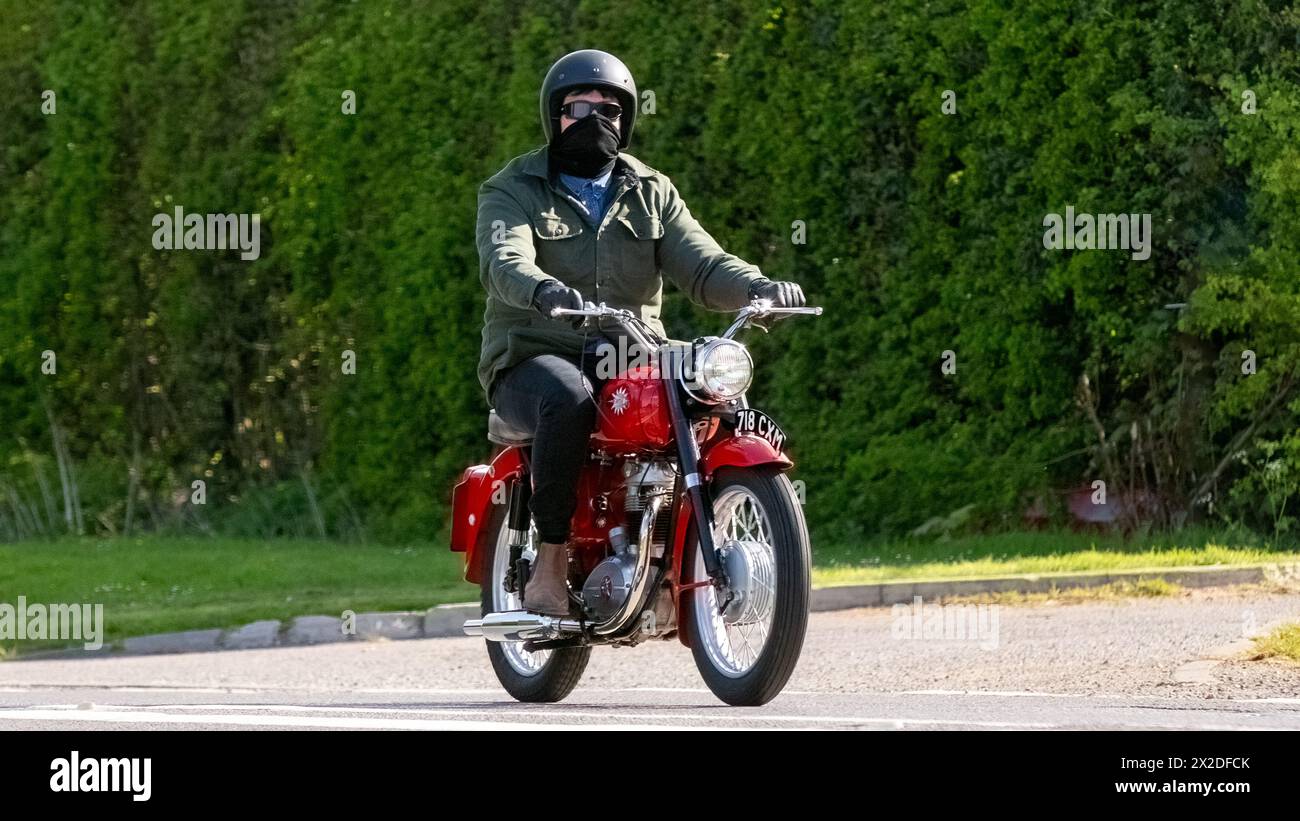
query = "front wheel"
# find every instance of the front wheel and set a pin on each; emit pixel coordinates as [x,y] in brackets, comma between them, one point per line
[747,638]
[537,676]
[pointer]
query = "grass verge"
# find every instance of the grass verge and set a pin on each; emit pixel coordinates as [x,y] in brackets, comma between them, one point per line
[160,584]
[1013,554]
[1141,589]
[1283,642]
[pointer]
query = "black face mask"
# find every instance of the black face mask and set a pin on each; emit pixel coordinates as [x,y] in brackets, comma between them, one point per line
[587,148]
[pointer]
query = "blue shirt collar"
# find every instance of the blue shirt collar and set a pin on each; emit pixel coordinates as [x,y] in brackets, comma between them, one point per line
[576,184]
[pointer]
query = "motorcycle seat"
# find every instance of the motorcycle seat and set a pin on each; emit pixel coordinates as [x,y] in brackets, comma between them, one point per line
[501,432]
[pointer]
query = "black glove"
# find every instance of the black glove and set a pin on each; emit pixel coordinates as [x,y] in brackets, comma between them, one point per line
[782,294]
[556,294]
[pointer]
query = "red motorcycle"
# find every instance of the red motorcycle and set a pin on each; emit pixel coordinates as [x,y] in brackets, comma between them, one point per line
[686,527]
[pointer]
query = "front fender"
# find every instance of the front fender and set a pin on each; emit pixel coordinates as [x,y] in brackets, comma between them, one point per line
[743,451]
[480,487]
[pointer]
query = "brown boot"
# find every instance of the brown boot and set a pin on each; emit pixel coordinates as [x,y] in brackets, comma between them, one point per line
[547,591]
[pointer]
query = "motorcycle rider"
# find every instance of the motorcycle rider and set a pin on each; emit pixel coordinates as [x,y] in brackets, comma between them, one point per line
[578,219]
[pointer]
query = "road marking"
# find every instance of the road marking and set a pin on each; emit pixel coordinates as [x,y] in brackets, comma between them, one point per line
[138,688]
[701,690]
[71,712]
[998,693]
[1031,694]
[253,689]
[399,717]
[459,719]
[354,723]
[434,690]
[497,691]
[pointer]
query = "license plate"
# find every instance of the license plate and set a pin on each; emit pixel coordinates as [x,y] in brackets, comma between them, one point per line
[756,423]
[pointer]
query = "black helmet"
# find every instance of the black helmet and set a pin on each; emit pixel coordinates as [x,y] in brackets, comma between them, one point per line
[584,69]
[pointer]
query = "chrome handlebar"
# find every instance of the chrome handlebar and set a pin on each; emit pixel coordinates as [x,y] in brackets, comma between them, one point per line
[761,309]
[756,309]
[593,310]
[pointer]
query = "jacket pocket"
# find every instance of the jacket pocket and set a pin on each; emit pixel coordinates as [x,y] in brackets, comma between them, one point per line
[556,229]
[559,249]
[643,226]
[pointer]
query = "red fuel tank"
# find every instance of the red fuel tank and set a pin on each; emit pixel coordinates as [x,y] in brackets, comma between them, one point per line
[633,411]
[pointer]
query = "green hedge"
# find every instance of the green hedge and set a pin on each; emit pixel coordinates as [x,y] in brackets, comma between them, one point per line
[924,235]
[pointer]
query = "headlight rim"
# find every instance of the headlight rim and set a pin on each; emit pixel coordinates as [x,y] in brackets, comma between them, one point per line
[698,391]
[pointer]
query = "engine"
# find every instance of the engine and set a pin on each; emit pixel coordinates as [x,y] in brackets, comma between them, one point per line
[646,480]
[607,588]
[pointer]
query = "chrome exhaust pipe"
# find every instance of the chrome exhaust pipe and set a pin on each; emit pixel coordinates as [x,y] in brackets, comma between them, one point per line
[519,625]
[641,581]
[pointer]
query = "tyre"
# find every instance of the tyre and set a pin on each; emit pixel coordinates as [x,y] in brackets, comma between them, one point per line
[539,676]
[747,653]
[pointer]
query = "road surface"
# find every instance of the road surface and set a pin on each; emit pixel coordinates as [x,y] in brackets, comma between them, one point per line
[1129,663]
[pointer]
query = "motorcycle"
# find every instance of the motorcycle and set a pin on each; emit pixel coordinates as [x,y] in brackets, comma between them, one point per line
[686,526]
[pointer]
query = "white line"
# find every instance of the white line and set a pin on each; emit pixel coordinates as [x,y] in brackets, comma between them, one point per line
[70,711]
[253,688]
[465,691]
[700,690]
[137,717]
[421,690]
[1092,696]
[996,693]
[459,719]
[141,688]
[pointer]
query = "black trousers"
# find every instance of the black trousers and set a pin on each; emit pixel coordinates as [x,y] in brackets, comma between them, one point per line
[553,397]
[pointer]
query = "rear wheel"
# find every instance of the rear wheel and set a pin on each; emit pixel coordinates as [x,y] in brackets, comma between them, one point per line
[747,651]
[537,676]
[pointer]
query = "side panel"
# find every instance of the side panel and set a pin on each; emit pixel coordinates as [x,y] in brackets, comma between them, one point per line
[471,505]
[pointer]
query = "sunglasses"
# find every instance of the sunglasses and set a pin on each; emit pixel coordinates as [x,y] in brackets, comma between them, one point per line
[581,108]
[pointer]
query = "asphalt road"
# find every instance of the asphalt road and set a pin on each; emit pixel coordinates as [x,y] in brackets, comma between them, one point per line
[1119,664]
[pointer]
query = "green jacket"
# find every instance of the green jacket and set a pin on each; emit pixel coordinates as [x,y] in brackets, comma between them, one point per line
[531,230]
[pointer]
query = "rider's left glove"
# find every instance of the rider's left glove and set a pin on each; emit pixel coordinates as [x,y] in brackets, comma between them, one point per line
[782,294]
[555,294]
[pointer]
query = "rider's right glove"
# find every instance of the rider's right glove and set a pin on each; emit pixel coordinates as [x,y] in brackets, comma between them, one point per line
[782,294]
[555,294]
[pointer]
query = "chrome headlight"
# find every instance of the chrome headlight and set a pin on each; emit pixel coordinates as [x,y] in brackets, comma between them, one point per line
[722,371]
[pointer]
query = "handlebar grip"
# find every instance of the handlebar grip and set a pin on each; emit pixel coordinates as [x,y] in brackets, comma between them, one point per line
[811,311]
[587,309]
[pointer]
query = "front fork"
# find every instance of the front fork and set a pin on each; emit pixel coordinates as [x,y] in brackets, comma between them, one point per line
[518,525]
[688,454]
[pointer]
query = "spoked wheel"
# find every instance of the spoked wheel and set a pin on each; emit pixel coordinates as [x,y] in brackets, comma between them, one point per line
[541,675]
[747,649]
